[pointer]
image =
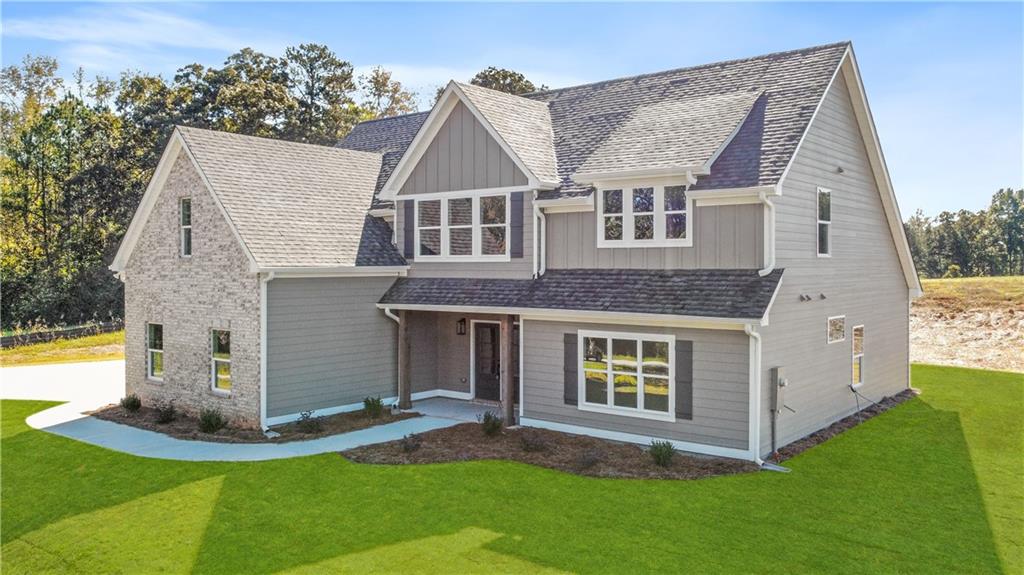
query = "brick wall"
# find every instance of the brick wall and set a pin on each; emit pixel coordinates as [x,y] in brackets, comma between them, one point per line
[213,289]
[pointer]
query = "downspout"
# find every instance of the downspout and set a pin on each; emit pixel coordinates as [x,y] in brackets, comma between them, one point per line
[391,314]
[536,235]
[754,433]
[264,280]
[398,321]
[769,232]
[543,241]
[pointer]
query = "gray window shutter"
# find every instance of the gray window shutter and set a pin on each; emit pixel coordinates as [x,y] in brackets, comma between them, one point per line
[571,382]
[684,379]
[409,228]
[516,225]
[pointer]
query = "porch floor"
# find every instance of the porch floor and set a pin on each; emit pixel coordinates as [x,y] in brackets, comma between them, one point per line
[457,409]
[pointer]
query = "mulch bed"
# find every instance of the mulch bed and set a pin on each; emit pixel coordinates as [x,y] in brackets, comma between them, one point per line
[821,436]
[187,427]
[577,454]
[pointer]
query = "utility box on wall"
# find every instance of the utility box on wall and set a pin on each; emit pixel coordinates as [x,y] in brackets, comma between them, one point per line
[778,389]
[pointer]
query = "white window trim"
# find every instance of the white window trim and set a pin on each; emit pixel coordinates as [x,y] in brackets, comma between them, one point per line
[819,221]
[855,355]
[828,332]
[182,227]
[213,367]
[627,240]
[149,355]
[610,408]
[477,227]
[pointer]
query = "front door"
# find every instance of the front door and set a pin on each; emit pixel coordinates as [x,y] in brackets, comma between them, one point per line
[487,361]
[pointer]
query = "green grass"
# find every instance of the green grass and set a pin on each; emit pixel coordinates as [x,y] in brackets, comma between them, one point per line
[89,348]
[933,486]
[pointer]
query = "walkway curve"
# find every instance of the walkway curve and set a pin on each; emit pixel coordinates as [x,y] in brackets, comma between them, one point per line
[88,386]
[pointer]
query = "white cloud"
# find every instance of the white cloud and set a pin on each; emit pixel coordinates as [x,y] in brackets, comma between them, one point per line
[110,38]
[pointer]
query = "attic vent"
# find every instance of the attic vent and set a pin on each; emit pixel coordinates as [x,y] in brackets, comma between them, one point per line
[680,82]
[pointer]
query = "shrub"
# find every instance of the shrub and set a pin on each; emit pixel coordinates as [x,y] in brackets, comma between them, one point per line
[131,403]
[491,423]
[662,452]
[309,424]
[165,412]
[211,420]
[532,442]
[373,407]
[589,458]
[411,442]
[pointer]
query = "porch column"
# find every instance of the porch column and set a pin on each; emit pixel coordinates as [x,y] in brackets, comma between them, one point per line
[506,370]
[404,362]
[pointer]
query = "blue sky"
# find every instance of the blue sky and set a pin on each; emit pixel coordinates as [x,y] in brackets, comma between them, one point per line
[945,81]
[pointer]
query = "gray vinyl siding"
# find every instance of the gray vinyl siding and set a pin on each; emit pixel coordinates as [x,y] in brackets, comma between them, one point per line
[327,343]
[721,364]
[462,156]
[862,280]
[516,268]
[725,237]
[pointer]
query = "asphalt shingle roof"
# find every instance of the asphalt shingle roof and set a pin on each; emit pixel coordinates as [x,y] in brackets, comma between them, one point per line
[739,294]
[388,137]
[584,119]
[295,205]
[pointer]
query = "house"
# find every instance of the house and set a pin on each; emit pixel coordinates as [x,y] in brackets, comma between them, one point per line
[711,256]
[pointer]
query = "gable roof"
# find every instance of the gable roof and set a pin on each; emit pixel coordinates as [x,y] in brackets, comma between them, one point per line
[291,205]
[386,136]
[700,293]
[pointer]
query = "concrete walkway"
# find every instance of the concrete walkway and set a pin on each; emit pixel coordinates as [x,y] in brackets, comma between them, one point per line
[87,386]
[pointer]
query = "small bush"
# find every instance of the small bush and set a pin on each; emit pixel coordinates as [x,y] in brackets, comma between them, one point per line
[309,424]
[411,442]
[589,458]
[211,420]
[491,423]
[131,403]
[662,452]
[165,412]
[373,407]
[532,443]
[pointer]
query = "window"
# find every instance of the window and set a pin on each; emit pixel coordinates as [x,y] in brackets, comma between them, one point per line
[858,355]
[643,216]
[186,227]
[457,228]
[640,371]
[221,361]
[824,222]
[836,329]
[155,351]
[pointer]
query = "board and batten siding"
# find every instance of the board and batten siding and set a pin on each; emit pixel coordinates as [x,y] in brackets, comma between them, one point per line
[327,343]
[726,237]
[462,156]
[721,368]
[862,280]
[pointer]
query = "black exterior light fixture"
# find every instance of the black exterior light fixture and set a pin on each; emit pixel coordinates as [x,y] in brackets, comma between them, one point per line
[460,327]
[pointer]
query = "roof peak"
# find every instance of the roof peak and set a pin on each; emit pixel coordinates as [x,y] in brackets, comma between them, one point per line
[844,43]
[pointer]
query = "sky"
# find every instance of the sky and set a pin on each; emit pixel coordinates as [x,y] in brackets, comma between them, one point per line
[945,81]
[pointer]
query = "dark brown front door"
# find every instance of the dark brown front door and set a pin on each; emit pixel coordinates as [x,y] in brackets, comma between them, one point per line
[487,360]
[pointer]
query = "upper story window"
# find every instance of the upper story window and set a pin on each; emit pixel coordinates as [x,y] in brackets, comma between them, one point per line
[824,222]
[643,216]
[186,227]
[836,329]
[474,228]
[627,373]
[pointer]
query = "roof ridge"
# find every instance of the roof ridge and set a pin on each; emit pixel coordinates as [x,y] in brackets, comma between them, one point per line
[274,140]
[503,94]
[395,117]
[529,95]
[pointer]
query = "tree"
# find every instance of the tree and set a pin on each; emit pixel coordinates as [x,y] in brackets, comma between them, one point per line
[1007,210]
[503,80]
[322,86]
[384,97]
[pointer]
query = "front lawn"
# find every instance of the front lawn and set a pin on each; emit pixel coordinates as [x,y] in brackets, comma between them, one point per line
[932,486]
[98,347]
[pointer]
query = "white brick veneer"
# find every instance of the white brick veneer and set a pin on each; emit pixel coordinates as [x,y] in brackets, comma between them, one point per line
[191,296]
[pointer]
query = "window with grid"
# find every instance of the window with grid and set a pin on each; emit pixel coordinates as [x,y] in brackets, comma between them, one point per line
[643,216]
[628,373]
[463,228]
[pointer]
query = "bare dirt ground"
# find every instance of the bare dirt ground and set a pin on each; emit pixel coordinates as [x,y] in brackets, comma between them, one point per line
[970,322]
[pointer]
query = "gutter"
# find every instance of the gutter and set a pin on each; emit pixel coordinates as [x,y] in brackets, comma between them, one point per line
[769,233]
[754,431]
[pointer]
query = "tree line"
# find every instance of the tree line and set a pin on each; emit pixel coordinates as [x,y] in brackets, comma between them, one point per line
[989,242]
[76,158]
